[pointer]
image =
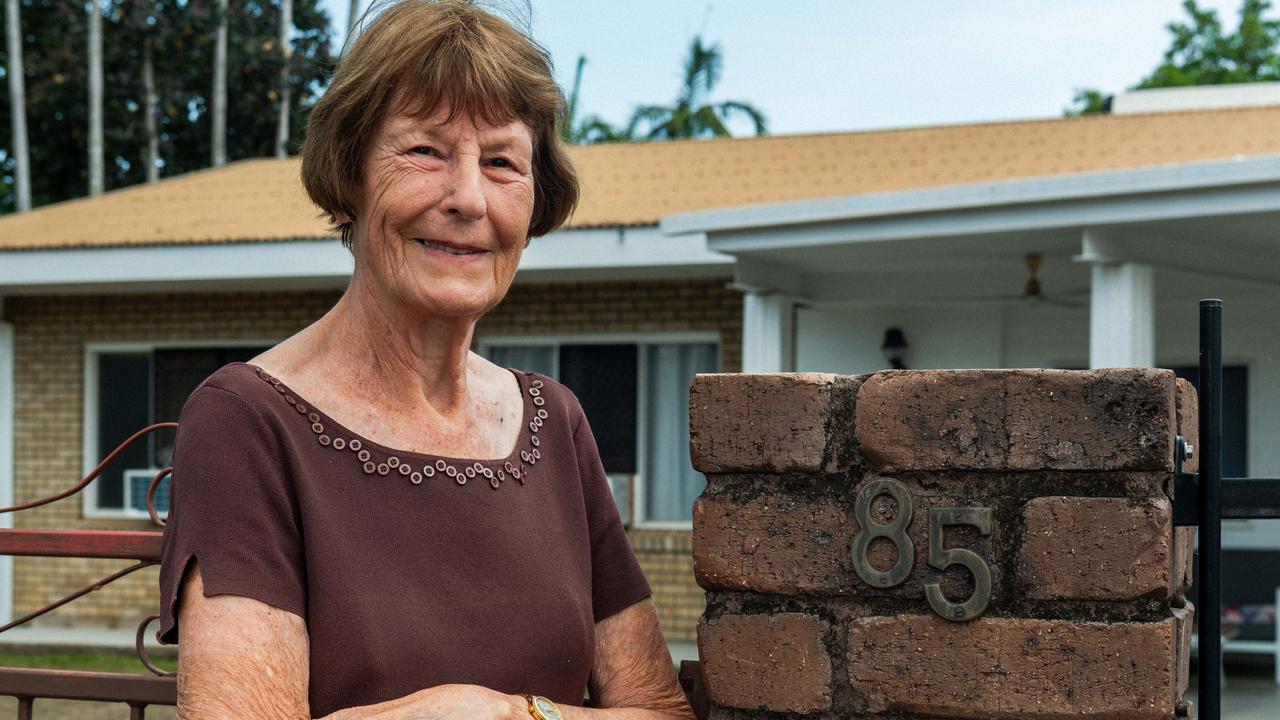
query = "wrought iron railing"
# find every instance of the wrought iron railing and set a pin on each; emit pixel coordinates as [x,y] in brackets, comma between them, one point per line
[137,691]
[1204,499]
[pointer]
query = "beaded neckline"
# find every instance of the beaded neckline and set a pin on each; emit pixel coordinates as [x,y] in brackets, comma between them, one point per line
[375,459]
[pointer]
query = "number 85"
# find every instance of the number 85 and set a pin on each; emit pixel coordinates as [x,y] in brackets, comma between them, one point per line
[896,532]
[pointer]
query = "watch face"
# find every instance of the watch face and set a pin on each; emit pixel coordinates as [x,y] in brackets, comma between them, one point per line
[547,708]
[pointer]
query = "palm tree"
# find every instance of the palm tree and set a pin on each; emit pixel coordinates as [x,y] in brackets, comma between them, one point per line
[692,116]
[96,167]
[150,100]
[18,107]
[591,129]
[219,104]
[286,47]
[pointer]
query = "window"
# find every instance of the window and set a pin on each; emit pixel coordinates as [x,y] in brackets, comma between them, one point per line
[635,394]
[130,389]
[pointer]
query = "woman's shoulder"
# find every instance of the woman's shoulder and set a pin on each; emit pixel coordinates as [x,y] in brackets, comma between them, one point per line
[556,395]
[237,388]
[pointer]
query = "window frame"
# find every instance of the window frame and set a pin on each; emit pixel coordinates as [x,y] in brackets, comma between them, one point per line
[639,519]
[90,453]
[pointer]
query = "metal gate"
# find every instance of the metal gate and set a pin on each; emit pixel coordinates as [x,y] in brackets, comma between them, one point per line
[1204,499]
[137,691]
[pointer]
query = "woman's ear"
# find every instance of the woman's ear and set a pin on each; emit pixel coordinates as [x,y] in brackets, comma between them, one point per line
[342,218]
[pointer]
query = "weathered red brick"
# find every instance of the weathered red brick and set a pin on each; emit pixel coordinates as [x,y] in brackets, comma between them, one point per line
[1188,402]
[1184,550]
[771,544]
[1015,668]
[772,662]
[783,544]
[1017,420]
[1184,623]
[796,422]
[1084,548]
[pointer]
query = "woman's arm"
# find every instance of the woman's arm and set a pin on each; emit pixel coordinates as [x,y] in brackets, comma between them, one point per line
[632,677]
[240,658]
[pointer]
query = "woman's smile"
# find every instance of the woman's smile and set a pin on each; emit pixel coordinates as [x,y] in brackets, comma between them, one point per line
[452,250]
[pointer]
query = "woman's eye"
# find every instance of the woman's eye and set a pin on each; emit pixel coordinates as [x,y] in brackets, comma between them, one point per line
[501,162]
[424,150]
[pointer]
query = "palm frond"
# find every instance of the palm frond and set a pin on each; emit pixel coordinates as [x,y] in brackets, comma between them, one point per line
[702,70]
[649,116]
[707,123]
[730,108]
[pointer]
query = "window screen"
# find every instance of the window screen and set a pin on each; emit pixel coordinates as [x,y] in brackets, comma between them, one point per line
[604,379]
[124,407]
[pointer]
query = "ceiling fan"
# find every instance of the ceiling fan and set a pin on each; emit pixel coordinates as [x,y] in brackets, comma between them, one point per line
[1032,293]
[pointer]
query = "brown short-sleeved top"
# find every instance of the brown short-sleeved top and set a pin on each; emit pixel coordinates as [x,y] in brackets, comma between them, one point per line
[410,570]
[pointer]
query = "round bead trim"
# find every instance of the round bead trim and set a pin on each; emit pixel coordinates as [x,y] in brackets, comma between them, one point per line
[460,473]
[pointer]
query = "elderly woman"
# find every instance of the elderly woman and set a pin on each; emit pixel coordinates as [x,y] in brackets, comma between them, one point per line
[369,520]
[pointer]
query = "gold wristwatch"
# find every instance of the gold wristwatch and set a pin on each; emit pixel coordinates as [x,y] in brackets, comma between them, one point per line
[542,708]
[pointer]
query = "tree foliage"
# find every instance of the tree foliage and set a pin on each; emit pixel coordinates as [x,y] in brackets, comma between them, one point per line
[1202,52]
[591,129]
[181,33]
[692,116]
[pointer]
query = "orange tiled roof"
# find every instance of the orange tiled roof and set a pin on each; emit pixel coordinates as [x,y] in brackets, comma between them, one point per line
[637,184]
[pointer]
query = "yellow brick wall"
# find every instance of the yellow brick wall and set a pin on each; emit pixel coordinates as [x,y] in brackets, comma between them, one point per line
[51,334]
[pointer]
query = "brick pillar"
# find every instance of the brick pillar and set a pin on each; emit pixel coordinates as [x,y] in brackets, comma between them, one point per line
[1057,583]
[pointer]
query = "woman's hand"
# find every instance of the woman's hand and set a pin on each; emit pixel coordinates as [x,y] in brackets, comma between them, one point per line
[444,702]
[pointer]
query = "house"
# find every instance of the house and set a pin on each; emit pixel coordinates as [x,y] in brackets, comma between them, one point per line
[763,254]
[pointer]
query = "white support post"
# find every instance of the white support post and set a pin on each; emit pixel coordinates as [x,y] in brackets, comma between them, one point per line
[768,332]
[6,458]
[1122,331]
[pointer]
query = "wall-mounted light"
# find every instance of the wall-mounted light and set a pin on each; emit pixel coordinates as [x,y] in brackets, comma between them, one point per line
[895,348]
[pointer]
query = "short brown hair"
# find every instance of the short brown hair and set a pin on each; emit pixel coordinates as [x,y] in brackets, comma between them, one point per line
[437,51]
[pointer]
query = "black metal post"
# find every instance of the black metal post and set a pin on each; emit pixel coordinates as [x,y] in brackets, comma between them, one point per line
[1209,612]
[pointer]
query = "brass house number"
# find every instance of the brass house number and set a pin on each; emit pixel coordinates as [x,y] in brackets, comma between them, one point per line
[895,532]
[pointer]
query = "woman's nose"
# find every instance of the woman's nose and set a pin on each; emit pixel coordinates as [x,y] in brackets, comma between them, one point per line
[466,191]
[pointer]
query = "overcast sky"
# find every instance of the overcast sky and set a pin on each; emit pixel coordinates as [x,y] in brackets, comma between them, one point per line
[823,65]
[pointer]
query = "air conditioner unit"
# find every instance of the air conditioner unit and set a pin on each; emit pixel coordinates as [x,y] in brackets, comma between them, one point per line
[136,482]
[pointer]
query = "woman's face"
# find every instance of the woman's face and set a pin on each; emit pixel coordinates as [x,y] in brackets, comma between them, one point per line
[444,213]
